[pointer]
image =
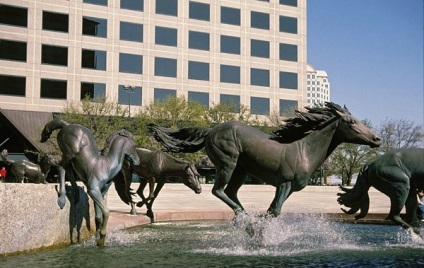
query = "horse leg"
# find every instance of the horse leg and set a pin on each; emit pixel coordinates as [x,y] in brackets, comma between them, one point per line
[223,176]
[61,201]
[74,185]
[236,181]
[140,193]
[102,214]
[152,181]
[411,207]
[398,201]
[283,191]
[149,205]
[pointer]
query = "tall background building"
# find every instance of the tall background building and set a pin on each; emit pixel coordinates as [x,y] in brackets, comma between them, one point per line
[135,52]
[318,86]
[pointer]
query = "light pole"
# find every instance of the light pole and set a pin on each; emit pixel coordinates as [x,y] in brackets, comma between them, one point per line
[129,90]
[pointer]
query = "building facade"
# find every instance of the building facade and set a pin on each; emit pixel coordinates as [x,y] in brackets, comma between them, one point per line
[318,86]
[134,52]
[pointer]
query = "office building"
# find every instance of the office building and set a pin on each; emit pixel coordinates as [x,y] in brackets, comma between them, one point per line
[318,86]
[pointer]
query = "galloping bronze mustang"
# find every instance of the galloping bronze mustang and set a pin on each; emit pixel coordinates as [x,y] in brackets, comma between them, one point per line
[95,169]
[397,174]
[24,170]
[285,159]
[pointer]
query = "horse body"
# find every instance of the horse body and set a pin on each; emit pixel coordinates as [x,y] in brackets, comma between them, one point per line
[24,170]
[285,160]
[96,170]
[398,174]
[155,166]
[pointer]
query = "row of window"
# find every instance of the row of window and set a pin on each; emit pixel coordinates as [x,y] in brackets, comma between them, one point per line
[131,63]
[166,7]
[17,16]
[57,89]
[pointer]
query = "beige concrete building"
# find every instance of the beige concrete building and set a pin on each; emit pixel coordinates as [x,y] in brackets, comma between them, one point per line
[318,86]
[134,51]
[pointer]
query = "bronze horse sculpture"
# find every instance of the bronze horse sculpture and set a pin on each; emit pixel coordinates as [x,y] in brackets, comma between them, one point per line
[284,159]
[154,166]
[24,170]
[95,169]
[398,174]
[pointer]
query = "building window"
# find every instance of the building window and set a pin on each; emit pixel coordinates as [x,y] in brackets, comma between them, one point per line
[167,7]
[95,91]
[53,89]
[199,97]
[133,97]
[230,44]
[288,25]
[259,48]
[232,101]
[259,77]
[55,21]
[16,16]
[198,40]
[198,70]
[166,36]
[165,67]
[230,74]
[130,63]
[96,2]
[12,85]
[94,27]
[129,31]
[292,3]
[287,107]
[13,50]
[137,5]
[288,52]
[199,11]
[162,94]
[54,55]
[288,80]
[93,59]
[259,20]
[259,105]
[230,15]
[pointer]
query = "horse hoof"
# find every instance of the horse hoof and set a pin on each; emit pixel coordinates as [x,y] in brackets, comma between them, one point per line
[101,241]
[61,201]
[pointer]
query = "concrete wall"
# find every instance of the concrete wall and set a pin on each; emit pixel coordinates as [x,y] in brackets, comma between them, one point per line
[31,219]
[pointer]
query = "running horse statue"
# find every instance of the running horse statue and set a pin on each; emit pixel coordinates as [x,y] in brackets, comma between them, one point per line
[24,170]
[95,169]
[284,159]
[155,166]
[397,174]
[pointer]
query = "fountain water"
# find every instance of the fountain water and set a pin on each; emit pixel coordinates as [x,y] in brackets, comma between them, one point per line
[289,240]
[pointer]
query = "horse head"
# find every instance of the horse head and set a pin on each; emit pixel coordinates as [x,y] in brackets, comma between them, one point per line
[192,179]
[352,130]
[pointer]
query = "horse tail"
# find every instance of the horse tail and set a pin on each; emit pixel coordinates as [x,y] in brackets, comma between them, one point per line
[52,126]
[185,140]
[356,198]
[119,181]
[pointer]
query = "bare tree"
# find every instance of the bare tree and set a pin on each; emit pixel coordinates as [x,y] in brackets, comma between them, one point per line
[400,134]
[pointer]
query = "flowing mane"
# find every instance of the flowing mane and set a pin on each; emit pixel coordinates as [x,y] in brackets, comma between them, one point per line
[112,136]
[304,123]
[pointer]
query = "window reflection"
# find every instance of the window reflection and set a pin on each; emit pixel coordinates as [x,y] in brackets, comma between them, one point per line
[137,5]
[11,15]
[288,80]
[165,67]
[230,44]
[259,48]
[198,70]
[131,31]
[53,89]
[200,97]
[130,63]
[288,24]
[93,59]
[287,107]
[95,91]
[288,52]
[230,74]
[94,26]
[198,40]
[96,2]
[162,94]
[133,97]
[12,85]
[259,20]
[232,101]
[165,36]
[55,21]
[230,15]
[167,7]
[13,50]
[199,11]
[259,105]
[259,77]
[54,55]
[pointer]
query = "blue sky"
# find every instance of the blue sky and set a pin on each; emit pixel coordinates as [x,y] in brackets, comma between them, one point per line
[372,51]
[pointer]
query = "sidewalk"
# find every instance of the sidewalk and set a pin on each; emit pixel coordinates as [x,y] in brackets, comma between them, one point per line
[177,202]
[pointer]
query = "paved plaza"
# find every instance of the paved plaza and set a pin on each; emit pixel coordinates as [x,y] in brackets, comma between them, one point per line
[178,202]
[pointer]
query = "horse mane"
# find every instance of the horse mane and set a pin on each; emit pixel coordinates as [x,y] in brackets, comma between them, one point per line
[112,136]
[304,123]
